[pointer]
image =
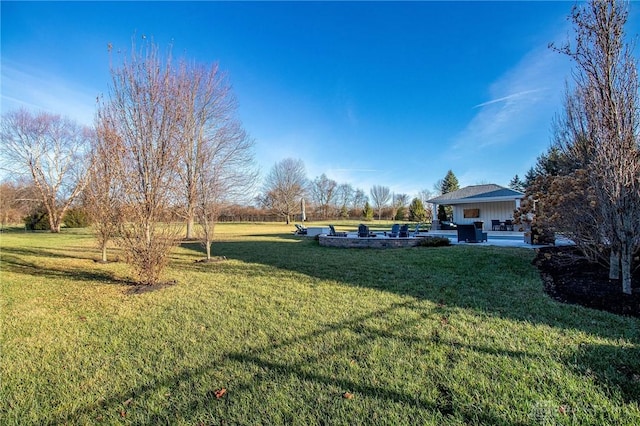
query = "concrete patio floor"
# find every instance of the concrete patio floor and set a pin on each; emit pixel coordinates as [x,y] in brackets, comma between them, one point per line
[498,238]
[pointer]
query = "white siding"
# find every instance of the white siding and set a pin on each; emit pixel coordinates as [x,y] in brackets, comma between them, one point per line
[496,210]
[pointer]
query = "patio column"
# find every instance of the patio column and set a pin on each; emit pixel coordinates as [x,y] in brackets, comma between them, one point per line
[435,224]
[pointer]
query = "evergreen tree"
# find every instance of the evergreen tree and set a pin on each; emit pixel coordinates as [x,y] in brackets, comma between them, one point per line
[517,184]
[442,213]
[449,183]
[417,212]
[446,185]
[529,177]
[344,212]
[367,212]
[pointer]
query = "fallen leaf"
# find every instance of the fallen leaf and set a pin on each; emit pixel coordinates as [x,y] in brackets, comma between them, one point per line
[123,413]
[347,395]
[127,402]
[220,393]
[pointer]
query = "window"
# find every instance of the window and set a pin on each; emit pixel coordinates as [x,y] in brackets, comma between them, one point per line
[471,213]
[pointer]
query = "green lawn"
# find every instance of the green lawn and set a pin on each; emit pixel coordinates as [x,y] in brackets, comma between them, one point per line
[451,335]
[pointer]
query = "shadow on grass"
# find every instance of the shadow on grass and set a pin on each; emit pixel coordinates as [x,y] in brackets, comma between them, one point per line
[497,281]
[13,262]
[272,373]
[46,252]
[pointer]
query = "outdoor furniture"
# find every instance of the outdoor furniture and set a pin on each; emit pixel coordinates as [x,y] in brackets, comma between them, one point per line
[446,225]
[508,225]
[404,231]
[312,231]
[395,229]
[300,230]
[333,233]
[470,234]
[363,231]
[495,223]
[417,230]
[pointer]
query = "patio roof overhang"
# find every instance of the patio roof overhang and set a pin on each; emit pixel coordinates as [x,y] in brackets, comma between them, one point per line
[489,193]
[473,200]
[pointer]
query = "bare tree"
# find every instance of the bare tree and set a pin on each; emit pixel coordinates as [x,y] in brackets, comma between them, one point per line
[207,106]
[399,203]
[144,110]
[603,116]
[344,197]
[284,186]
[323,193]
[52,149]
[226,175]
[103,195]
[425,195]
[18,198]
[380,196]
[358,201]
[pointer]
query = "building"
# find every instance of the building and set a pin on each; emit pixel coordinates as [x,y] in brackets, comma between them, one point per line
[479,203]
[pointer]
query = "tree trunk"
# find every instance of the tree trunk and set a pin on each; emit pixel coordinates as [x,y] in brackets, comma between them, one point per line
[614,265]
[207,245]
[190,223]
[54,223]
[104,253]
[626,260]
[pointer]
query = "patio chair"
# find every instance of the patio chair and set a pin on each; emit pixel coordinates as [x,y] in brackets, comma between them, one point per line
[404,231]
[300,230]
[495,225]
[395,229]
[333,233]
[508,225]
[470,234]
[363,231]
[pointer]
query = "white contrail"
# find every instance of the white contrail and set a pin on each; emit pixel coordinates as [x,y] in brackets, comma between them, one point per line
[506,98]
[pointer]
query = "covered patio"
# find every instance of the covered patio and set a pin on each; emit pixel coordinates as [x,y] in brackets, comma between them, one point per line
[481,204]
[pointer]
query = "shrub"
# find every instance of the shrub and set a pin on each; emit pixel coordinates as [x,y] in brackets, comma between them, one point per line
[38,220]
[434,242]
[76,218]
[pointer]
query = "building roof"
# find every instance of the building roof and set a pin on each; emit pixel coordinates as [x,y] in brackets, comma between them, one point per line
[478,194]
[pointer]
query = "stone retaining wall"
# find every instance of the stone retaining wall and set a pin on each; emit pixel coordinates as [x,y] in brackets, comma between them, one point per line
[371,242]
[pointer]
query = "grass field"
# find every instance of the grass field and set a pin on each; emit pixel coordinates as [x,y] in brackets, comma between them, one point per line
[301,334]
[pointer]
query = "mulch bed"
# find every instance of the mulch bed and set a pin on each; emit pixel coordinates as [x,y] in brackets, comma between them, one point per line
[570,278]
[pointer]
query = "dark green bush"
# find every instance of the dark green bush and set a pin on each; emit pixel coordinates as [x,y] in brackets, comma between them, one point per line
[434,242]
[76,217]
[38,220]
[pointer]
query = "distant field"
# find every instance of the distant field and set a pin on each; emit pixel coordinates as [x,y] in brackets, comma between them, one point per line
[301,334]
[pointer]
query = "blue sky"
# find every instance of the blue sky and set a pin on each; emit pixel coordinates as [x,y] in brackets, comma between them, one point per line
[369,93]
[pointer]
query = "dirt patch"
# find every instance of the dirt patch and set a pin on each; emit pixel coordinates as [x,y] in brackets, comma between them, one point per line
[141,288]
[212,260]
[571,278]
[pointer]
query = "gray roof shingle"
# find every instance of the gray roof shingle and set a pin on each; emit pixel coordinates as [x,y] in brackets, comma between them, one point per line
[477,193]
